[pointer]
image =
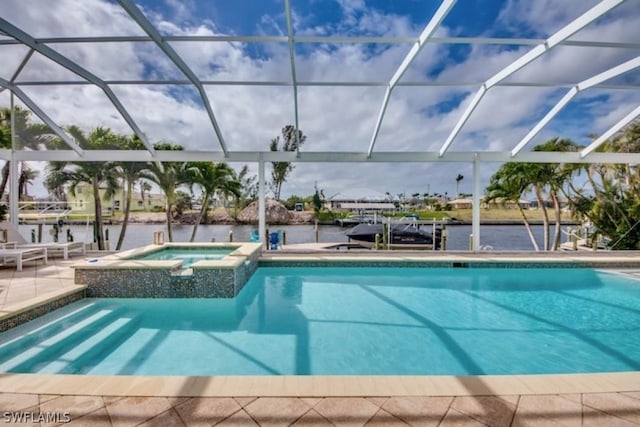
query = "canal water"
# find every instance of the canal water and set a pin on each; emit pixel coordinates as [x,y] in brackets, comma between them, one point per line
[495,237]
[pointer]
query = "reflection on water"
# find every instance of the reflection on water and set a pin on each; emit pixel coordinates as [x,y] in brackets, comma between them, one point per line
[499,237]
[346,321]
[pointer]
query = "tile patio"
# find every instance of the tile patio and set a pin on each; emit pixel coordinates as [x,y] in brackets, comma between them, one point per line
[597,409]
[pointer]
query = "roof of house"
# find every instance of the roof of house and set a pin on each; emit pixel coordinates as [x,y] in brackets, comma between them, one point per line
[367,205]
[362,194]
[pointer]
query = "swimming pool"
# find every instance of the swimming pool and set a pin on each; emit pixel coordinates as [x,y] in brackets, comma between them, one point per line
[350,321]
[188,256]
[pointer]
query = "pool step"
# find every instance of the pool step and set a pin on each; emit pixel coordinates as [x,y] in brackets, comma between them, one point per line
[96,354]
[95,347]
[131,358]
[59,343]
[41,329]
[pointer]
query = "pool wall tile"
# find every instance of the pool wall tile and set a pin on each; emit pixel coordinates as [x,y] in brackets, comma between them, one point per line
[19,318]
[223,278]
[126,283]
[428,263]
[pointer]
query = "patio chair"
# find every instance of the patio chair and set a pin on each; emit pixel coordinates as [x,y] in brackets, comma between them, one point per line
[53,248]
[274,240]
[20,256]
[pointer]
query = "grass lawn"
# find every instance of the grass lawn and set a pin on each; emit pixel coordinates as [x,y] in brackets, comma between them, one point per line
[505,214]
[485,214]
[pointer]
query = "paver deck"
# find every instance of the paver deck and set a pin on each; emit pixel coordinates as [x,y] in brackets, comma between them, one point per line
[598,409]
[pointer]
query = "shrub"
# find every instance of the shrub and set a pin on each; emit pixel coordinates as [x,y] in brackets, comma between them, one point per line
[325,216]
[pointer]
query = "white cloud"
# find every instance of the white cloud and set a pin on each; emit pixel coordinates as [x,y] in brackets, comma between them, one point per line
[334,119]
[69,18]
[617,107]
[181,9]
[542,17]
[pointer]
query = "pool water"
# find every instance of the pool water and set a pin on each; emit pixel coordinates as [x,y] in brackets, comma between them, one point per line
[344,321]
[188,255]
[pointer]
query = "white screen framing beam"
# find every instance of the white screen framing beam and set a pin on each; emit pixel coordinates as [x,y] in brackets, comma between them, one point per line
[428,31]
[53,55]
[35,108]
[262,206]
[321,157]
[42,115]
[273,83]
[173,56]
[294,80]
[475,213]
[26,59]
[583,85]
[13,169]
[608,134]
[564,33]
[328,39]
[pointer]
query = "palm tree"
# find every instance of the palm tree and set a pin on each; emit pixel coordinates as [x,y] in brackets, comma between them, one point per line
[612,203]
[529,177]
[145,188]
[554,176]
[27,175]
[458,179]
[538,178]
[168,176]
[508,184]
[95,174]
[249,189]
[292,139]
[230,187]
[27,135]
[212,178]
[5,142]
[130,172]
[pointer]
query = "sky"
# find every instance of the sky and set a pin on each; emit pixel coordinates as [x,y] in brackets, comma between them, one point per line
[334,118]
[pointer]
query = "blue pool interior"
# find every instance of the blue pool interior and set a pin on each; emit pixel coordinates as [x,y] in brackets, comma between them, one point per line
[347,321]
[187,255]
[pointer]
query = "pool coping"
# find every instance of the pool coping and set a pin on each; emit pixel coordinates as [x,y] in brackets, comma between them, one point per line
[318,385]
[125,259]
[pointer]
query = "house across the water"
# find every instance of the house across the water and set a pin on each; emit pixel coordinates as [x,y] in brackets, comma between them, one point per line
[359,200]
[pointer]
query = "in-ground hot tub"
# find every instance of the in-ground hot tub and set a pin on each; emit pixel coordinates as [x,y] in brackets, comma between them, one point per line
[188,255]
[172,270]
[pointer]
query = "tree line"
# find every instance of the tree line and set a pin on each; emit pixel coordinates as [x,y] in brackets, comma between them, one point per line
[605,196]
[211,179]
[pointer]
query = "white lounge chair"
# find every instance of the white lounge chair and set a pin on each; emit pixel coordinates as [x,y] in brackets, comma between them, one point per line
[19,256]
[53,248]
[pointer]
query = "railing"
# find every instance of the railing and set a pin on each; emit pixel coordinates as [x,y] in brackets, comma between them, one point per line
[44,206]
[43,210]
[583,238]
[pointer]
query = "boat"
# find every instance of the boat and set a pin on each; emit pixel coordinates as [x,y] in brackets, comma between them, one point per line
[403,236]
